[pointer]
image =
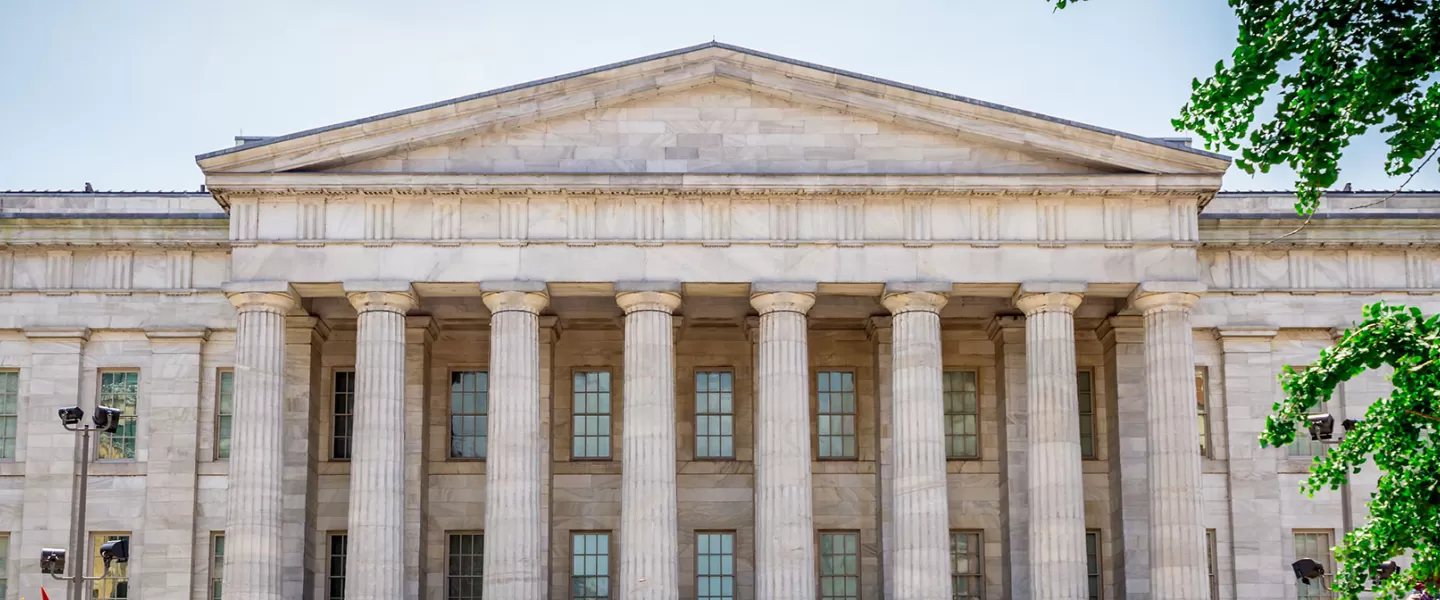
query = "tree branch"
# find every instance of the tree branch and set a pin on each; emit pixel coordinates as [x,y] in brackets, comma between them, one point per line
[1402,185]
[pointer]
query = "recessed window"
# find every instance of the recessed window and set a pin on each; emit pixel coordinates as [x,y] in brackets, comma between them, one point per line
[465,575]
[962,415]
[714,414]
[224,413]
[217,565]
[469,413]
[1303,446]
[1202,408]
[120,390]
[117,584]
[835,419]
[342,411]
[4,565]
[715,566]
[1212,562]
[1085,388]
[1315,545]
[9,414]
[591,415]
[839,566]
[335,568]
[590,557]
[966,566]
[1092,562]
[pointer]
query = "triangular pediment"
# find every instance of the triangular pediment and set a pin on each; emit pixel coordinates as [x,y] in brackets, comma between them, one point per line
[715,128]
[712,108]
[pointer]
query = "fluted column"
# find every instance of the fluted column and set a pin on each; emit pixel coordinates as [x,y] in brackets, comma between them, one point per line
[1057,494]
[376,552]
[1177,530]
[649,558]
[253,536]
[513,468]
[784,511]
[919,503]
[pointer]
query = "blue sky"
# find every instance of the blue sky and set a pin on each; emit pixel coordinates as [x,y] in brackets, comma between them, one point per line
[124,94]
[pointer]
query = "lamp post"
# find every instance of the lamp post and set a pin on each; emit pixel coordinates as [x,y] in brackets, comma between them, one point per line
[52,560]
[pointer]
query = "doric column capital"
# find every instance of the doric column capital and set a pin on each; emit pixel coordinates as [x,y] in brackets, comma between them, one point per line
[1245,339]
[1049,296]
[268,296]
[769,302]
[903,302]
[665,302]
[1166,295]
[531,302]
[390,296]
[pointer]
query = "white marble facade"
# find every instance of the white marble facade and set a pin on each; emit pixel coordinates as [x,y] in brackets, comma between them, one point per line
[710,210]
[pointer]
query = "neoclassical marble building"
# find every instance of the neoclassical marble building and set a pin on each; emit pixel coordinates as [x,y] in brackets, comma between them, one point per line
[706,324]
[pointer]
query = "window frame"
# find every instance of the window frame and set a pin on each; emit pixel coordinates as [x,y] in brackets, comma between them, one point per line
[217,565]
[1091,416]
[334,414]
[1212,551]
[816,414]
[979,559]
[97,566]
[330,575]
[610,562]
[449,560]
[4,564]
[609,414]
[1328,559]
[820,562]
[13,455]
[734,561]
[450,415]
[1314,448]
[99,393]
[979,419]
[695,413]
[1203,410]
[1098,566]
[220,374]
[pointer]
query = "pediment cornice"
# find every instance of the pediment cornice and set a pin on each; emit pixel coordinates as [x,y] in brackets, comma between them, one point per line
[708,64]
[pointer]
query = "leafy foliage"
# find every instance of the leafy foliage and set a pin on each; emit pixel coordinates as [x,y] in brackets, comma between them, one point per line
[1357,64]
[1401,433]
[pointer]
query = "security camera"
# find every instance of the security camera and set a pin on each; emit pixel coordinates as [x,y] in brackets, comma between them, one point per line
[72,415]
[1322,427]
[1307,569]
[1350,424]
[115,550]
[106,419]
[1386,570]
[52,561]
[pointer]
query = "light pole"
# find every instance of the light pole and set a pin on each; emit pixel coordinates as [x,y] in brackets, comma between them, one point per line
[52,560]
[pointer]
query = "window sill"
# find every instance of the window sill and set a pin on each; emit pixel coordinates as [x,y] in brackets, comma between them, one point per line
[218,467]
[1294,465]
[117,469]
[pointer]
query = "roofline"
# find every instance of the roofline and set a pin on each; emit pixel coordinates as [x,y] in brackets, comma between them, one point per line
[92,194]
[697,47]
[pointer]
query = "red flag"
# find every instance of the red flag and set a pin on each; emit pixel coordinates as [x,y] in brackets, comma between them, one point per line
[43,595]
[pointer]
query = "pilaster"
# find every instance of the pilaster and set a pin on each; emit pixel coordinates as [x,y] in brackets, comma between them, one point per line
[1008,334]
[1123,338]
[168,545]
[420,333]
[304,342]
[881,332]
[1250,388]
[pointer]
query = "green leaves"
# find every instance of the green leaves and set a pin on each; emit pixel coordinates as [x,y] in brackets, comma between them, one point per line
[1400,434]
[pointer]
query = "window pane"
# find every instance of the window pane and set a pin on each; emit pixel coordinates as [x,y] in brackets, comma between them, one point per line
[714,416]
[224,413]
[9,418]
[465,577]
[839,566]
[835,400]
[1202,410]
[120,390]
[4,565]
[590,559]
[1315,545]
[217,565]
[116,583]
[591,415]
[966,565]
[1212,562]
[469,413]
[715,566]
[343,410]
[1092,562]
[1086,394]
[336,575]
[961,415]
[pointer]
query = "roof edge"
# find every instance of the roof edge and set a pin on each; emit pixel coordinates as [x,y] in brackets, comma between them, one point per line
[721,45]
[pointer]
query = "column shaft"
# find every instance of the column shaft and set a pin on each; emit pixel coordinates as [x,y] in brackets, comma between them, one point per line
[1177,529]
[254,504]
[919,503]
[513,507]
[1057,495]
[649,558]
[784,510]
[376,559]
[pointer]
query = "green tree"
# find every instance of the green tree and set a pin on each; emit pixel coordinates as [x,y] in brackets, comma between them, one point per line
[1340,68]
[1335,69]
[1399,433]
